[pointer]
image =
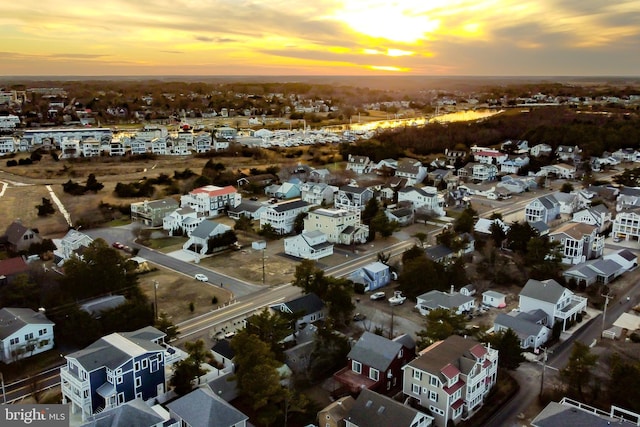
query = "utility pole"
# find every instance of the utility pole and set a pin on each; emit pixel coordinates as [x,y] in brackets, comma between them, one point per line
[4,394]
[263,270]
[155,298]
[544,368]
[604,313]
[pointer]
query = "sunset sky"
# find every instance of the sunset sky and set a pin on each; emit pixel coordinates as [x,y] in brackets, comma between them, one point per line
[320,37]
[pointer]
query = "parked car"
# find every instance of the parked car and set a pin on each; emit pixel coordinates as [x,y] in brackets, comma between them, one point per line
[397,298]
[117,245]
[201,277]
[359,317]
[377,296]
[230,334]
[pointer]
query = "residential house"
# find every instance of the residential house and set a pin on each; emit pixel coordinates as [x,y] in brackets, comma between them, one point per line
[281,216]
[516,146]
[200,236]
[626,225]
[451,378]
[628,198]
[117,148]
[159,146]
[412,170]
[321,176]
[386,167]
[135,412]
[71,244]
[308,245]
[544,208]
[250,209]
[468,290]
[440,253]
[95,307]
[572,413]
[515,185]
[352,198]
[598,216]
[578,242]
[454,301]
[260,180]
[626,155]
[317,193]
[602,271]
[403,216]
[560,171]
[372,276]
[359,164]
[182,221]
[10,268]
[333,414]
[19,238]
[151,213]
[91,147]
[375,363]
[223,353]
[211,200]
[490,157]
[203,408]
[541,150]
[626,258]
[425,198]
[70,148]
[454,156]
[116,369]
[203,142]
[568,202]
[441,175]
[513,164]
[567,153]
[372,409]
[483,226]
[341,226]
[139,146]
[8,144]
[478,172]
[23,333]
[559,303]
[481,189]
[494,299]
[308,308]
[284,191]
[527,326]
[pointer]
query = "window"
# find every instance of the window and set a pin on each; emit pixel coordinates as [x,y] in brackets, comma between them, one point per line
[119,379]
[138,381]
[120,398]
[41,332]
[417,375]
[28,336]
[415,389]
[145,363]
[374,374]
[356,367]
[136,366]
[433,380]
[139,395]
[433,396]
[14,341]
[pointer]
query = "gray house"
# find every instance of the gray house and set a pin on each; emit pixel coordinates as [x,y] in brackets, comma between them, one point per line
[199,238]
[203,408]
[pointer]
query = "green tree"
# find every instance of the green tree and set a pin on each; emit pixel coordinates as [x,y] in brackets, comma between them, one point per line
[370,211]
[243,223]
[567,187]
[298,222]
[270,328]
[464,223]
[257,377]
[422,238]
[543,257]
[166,325]
[578,372]
[509,351]
[329,353]
[190,368]
[45,208]
[268,232]
[624,383]
[381,224]
[441,323]
[93,184]
[519,235]
[498,234]
[22,292]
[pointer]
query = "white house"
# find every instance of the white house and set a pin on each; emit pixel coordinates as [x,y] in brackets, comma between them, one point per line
[339,225]
[453,301]
[412,170]
[184,219]
[545,209]
[626,225]
[91,147]
[308,245]
[359,164]
[541,150]
[211,200]
[352,198]
[599,216]
[199,237]
[490,157]
[579,242]
[526,326]
[317,193]
[494,299]
[8,144]
[560,171]
[426,198]
[282,216]
[70,148]
[159,146]
[70,243]
[23,333]
[138,146]
[558,303]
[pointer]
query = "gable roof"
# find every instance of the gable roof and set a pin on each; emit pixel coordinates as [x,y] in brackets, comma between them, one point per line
[245,206]
[306,304]
[14,319]
[207,228]
[15,231]
[547,290]
[202,408]
[132,413]
[375,410]
[522,327]
[214,191]
[557,414]
[435,299]
[287,206]
[437,252]
[375,351]
[223,348]
[454,350]
[11,266]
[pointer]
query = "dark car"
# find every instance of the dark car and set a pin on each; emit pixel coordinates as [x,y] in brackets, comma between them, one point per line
[359,317]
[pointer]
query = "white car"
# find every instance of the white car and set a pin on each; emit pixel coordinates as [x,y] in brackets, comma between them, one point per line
[201,277]
[377,296]
[397,298]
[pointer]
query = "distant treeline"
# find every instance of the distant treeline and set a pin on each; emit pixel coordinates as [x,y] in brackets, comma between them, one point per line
[594,132]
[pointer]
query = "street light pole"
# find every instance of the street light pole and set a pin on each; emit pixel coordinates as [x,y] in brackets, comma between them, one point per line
[155,298]
[604,313]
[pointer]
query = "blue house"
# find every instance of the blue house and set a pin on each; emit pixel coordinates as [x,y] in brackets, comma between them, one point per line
[372,276]
[116,369]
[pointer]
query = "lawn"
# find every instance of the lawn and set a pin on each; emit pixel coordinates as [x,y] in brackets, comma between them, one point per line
[167,244]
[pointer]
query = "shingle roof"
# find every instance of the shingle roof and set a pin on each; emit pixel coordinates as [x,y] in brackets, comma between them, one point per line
[375,351]
[556,414]
[454,350]
[132,413]
[15,231]
[14,319]
[287,206]
[223,348]
[306,304]
[435,299]
[375,410]
[547,290]
[202,408]
[522,327]
[208,228]
[353,190]
[11,266]
[438,252]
